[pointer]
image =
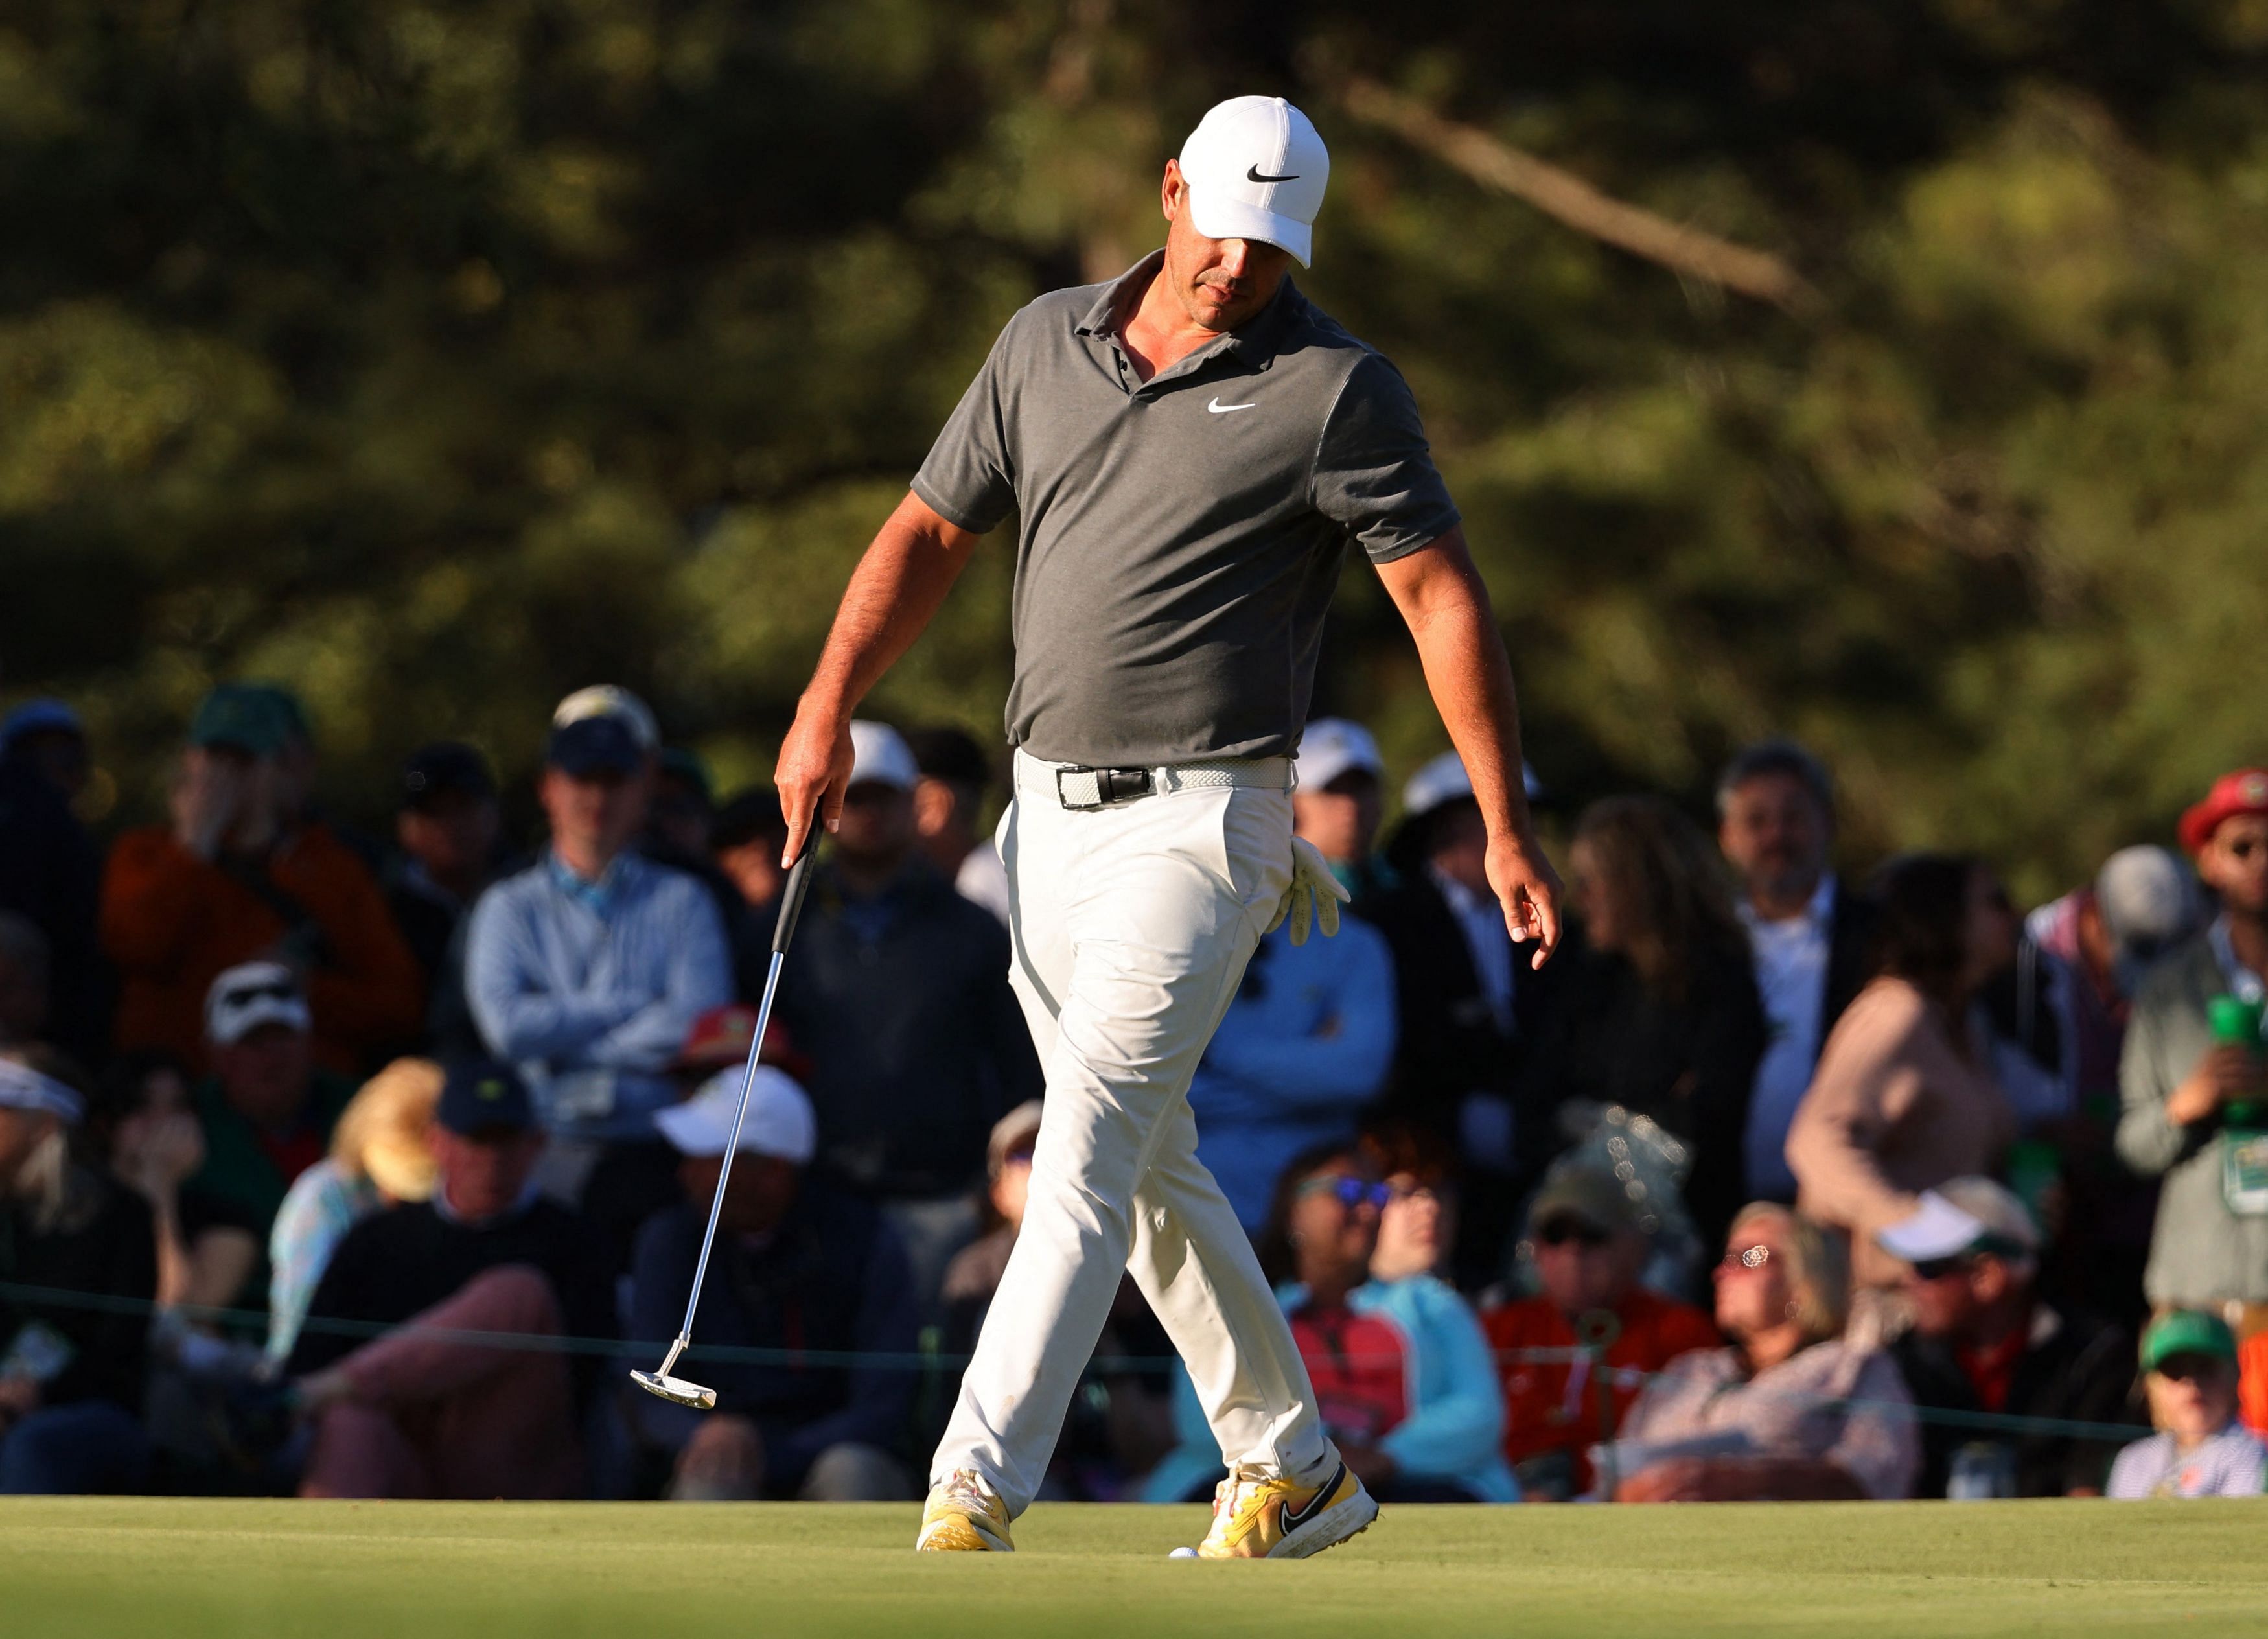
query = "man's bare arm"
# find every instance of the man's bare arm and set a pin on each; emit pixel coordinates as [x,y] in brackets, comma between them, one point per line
[1442,597]
[898,586]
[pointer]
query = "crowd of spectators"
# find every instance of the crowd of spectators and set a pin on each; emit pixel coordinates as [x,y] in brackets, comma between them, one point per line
[349,1166]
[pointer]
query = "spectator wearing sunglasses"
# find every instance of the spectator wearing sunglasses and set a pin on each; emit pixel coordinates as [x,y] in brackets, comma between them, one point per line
[1904,1096]
[1402,1373]
[2189,1361]
[2183,1087]
[1983,1341]
[1573,1358]
[1791,1410]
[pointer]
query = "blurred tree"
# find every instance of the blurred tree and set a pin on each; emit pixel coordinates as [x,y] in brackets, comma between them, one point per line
[437,357]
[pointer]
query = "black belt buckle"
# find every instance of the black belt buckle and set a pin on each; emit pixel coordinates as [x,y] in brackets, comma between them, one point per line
[1111,784]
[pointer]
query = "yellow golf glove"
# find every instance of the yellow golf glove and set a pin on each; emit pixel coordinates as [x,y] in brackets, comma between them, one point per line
[1314,895]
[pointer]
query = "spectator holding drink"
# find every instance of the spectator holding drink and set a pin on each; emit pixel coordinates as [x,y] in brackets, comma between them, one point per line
[2196,1100]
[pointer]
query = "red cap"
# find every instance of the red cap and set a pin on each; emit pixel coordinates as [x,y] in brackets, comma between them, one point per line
[720,1036]
[2244,792]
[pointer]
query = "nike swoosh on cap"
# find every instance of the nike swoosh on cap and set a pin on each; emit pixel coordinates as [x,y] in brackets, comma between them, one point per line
[1255,174]
[1219,408]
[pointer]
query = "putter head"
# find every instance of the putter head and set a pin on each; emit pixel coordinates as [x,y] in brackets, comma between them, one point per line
[675,1389]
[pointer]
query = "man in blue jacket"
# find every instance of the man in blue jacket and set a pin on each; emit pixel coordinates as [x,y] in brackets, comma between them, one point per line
[799,1268]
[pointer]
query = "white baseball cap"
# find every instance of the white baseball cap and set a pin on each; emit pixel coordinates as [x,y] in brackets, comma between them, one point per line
[1256,169]
[779,1121]
[251,994]
[1443,779]
[880,754]
[2145,896]
[606,699]
[1332,746]
[1962,1216]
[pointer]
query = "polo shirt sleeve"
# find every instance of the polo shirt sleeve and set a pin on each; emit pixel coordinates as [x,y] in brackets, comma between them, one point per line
[968,479]
[1374,472]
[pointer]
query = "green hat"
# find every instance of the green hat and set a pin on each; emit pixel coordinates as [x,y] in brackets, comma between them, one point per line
[2187,1331]
[249,716]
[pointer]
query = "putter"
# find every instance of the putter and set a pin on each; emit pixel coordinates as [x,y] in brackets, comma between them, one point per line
[679,1389]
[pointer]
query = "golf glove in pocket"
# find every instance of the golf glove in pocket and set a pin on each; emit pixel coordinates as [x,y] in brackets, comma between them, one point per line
[1314,895]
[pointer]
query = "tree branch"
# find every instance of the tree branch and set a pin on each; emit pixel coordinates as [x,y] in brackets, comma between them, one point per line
[1568,198]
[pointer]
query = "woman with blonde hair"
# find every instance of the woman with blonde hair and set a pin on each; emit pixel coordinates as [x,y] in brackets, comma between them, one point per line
[1791,1410]
[380,1155]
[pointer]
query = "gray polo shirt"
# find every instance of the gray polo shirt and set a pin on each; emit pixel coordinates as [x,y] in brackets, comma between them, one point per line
[1181,537]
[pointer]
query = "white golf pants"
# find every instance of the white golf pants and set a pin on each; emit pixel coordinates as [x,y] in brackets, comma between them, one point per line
[1131,925]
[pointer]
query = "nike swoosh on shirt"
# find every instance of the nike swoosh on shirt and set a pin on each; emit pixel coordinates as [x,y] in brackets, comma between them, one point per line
[1219,408]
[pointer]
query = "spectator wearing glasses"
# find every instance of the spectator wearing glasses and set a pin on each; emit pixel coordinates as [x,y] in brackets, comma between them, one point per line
[1790,1410]
[2192,1093]
[1983,1341]
[586,969]
[1402,1377]
[1589,1243]
[267,1111]
[2189,1362]
[1904,1096]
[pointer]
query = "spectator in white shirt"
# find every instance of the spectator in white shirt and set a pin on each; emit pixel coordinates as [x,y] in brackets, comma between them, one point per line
[1776,824]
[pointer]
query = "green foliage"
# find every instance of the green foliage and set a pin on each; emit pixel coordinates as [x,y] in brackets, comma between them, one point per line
[438,358]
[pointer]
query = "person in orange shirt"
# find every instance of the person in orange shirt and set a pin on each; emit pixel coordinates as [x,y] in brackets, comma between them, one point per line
[242,874]
[1609,1332]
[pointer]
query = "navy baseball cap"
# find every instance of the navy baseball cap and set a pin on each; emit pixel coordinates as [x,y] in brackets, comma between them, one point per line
[481,1097]
[590,746]
[446,767]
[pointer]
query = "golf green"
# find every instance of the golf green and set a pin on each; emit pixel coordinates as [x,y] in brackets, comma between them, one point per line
[89,1567]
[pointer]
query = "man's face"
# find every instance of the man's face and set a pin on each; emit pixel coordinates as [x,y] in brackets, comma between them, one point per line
[597,814]
[452,834]
[878,824]
[1775,835]
[1341,818]
[2234,864]
[1220,283]
[762,1189]
[2193,1396]
[1944,1299]
[264,1074]
[486,1173]
[1584,1268]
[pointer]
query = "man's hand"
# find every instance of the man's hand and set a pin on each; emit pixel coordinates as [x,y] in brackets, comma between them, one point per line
[207,801]
[813,772]
[1528,888]
[2229,1073]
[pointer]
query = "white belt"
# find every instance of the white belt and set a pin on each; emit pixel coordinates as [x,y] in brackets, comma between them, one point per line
[1078,788]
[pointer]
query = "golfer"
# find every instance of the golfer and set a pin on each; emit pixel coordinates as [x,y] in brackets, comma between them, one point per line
[1189,449]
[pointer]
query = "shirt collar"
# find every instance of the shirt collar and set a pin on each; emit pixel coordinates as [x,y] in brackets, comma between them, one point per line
[1819,914]
[1254,341]
[599,897]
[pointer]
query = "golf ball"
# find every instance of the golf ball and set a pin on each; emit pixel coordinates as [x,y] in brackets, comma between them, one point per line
[1182,1554]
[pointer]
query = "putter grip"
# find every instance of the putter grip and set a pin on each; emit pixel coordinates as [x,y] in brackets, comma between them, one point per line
[799,878]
